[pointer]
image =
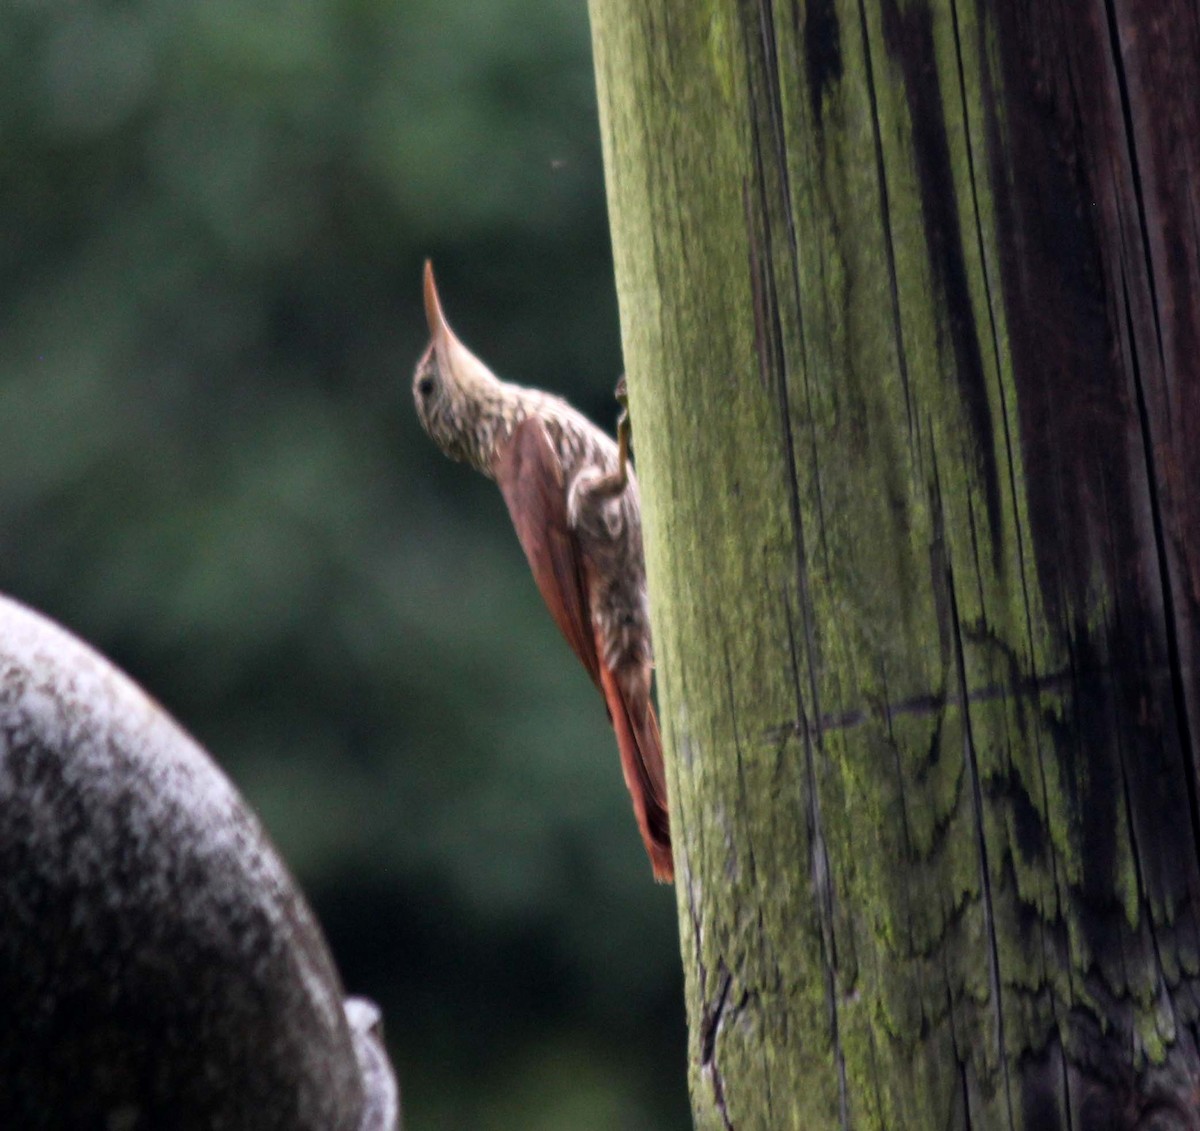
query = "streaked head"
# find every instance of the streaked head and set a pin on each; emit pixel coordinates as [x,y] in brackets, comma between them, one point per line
[451,385]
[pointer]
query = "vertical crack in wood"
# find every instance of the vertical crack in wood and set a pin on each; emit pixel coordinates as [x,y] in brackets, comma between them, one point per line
[906,830]
[1065,1069]
[767,50]
[770,351]
[1178,691]
[710,1024]
[1193,215]
[968,1122]
[954,1046]
[770,59]
[1135,848]
[1170,615]
[886,218]
[908,35]
[711,1014]
[873,1045]
[819,864]
[819,859]
[1141,865]
[973,531]
[972,767]
[758,285]
[991,299]
[1118,61]
[744,838]
[1055,877]
[989,914]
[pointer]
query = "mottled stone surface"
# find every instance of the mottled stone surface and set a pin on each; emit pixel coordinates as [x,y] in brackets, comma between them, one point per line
[158,968]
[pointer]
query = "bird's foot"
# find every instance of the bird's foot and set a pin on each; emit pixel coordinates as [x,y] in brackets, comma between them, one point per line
[624,432]
[594,487]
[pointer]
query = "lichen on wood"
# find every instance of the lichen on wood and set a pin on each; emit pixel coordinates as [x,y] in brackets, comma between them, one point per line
[907,292]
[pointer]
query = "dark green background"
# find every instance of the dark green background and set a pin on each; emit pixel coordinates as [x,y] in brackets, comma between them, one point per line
[212,221]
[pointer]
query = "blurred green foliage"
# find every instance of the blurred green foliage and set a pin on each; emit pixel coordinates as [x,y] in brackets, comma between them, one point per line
[212,220]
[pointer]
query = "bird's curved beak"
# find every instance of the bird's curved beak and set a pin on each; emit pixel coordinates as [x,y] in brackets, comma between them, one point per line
[439,329]
[453,358]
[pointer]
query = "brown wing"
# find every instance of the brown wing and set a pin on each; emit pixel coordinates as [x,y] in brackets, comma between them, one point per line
[531,480]
[640,744]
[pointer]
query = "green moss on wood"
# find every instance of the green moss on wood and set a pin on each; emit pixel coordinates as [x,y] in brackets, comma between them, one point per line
[834,564]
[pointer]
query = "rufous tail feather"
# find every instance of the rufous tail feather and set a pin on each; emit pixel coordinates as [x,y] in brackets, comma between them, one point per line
[640,744]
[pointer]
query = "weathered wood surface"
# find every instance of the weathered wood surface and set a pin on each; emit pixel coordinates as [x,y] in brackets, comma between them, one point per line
[909,295]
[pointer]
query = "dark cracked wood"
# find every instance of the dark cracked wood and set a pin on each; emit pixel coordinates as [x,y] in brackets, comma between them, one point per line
[910,296]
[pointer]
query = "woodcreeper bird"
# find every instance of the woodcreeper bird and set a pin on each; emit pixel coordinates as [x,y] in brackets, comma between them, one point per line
[574,501]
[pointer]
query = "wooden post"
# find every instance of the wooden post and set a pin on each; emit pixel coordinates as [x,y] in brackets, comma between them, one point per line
[909,296]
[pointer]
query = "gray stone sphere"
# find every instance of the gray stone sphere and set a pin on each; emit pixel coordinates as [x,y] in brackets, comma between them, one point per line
[158,967]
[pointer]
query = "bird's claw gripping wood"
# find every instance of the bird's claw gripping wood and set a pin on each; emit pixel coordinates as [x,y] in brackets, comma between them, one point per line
[611,485]
[574,502]
[624,430]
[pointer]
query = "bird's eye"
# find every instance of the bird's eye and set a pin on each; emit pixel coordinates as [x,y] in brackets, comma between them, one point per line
[425,385]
